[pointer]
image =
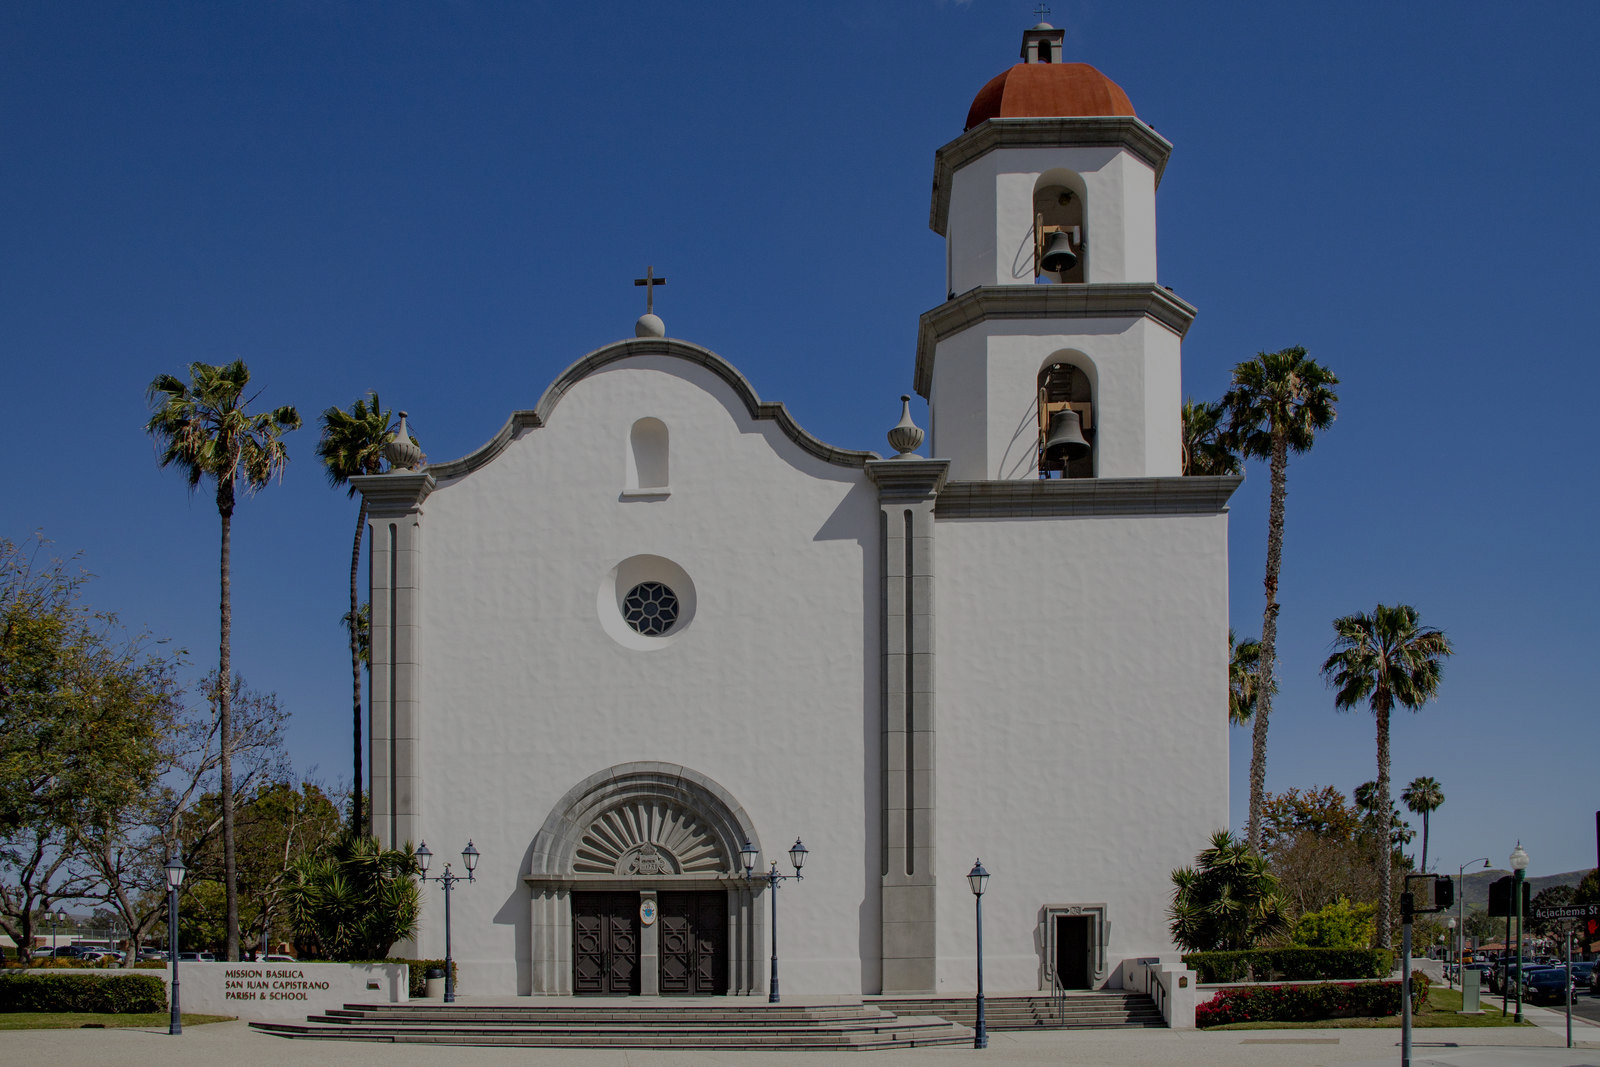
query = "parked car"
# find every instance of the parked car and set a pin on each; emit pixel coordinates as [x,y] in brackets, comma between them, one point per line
[277,957]
[1506,977]
[1545,984]
[151,955]
[196,957]
[1582,972]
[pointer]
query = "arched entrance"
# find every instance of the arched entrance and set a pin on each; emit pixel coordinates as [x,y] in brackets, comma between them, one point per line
[636,887]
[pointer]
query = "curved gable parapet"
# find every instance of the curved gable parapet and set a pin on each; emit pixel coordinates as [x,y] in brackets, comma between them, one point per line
[601,358]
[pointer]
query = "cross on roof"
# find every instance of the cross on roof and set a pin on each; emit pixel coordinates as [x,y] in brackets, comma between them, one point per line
[1041,11]
[649,281]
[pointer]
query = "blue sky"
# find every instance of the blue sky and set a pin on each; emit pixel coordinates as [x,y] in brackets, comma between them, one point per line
[447,202]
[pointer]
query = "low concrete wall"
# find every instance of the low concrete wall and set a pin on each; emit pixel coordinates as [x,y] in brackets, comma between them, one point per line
[1169,983]
[285,991]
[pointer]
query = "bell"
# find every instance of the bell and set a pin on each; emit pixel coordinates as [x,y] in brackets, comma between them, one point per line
[1058,255]
[1064,441]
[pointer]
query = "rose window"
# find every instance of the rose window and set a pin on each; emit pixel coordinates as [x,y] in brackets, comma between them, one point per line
[650,608]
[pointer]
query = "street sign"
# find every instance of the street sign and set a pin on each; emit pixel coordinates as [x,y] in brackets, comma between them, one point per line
[1568,911]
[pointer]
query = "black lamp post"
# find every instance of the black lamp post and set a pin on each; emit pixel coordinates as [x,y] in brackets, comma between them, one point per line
[469,859]
[175,873]
[57,919]
[978,879]
[1519,867]
[797,856]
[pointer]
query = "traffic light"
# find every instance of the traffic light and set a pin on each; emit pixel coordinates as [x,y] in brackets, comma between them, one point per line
[1500,899]
[1444,892]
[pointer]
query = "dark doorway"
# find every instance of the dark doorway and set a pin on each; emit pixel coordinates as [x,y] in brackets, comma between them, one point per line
[694,943]
[605,944]
[1072,951]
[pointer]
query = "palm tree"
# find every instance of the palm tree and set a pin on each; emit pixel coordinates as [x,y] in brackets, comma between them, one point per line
[1422,797]
[352,443]
[1244,657]
[1384,659]
[202,428]
[1278,402]
[1205,446]
[1228,901]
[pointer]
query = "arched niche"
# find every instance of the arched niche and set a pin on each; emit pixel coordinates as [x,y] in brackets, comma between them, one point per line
[1058,205]
[1067,381]
[647,457]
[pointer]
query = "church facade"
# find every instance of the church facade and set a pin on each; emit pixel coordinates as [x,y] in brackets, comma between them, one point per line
[653,625]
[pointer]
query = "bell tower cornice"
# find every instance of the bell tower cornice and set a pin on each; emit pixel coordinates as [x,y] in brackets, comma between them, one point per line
[988,303]
[1115,131]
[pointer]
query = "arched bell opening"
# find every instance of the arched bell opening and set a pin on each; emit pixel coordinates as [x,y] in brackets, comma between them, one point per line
[1066,420]
[1060,243]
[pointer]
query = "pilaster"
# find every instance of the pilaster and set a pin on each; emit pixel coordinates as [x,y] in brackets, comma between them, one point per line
[907,489]
[394,524]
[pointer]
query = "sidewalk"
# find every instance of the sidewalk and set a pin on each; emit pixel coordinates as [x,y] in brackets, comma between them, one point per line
[237,1046]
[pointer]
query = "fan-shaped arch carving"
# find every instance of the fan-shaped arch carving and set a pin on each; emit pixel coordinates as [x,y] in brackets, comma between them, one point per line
[648,837]
[604,824]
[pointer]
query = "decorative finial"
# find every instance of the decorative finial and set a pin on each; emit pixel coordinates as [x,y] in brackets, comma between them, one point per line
[401,451]
[649,324]
[906,435]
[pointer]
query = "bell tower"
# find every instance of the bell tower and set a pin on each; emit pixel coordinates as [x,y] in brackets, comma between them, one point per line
[1056,354]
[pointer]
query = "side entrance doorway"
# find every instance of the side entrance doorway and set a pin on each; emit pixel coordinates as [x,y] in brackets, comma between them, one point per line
[1073,964]
[687,944]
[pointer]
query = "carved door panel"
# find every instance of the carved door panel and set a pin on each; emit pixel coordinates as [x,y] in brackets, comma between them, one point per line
[694,943]
[605,944]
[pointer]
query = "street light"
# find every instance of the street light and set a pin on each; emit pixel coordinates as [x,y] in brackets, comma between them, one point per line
[978,879]
[1461,903]
[175,873]
[56,919]
[448,879]
[797,857]
[1519,866]
[1455,962]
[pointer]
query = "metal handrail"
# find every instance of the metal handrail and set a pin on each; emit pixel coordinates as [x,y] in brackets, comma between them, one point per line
[1058,997]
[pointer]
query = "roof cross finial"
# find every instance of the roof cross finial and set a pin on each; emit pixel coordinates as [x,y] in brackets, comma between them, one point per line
[1041,12]
[649,281]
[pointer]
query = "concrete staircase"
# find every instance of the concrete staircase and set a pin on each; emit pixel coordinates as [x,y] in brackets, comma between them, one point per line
[1110,1010]
[571,1023]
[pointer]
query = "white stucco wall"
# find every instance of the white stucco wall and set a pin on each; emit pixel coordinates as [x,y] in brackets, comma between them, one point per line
[771,691]
[985,390]
[1082,715]
[990,221]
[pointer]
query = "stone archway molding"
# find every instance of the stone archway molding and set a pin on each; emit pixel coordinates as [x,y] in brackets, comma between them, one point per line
[556,847]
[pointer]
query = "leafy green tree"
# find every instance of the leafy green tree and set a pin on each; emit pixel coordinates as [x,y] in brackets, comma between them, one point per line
[354,901]
[1244,662]
[202,428]
[1423,797]
[1339,925]
[1384,660]
[1277,404]
[1228,900]
[1320,847]
[1205,446]
[352,444]
[85,714]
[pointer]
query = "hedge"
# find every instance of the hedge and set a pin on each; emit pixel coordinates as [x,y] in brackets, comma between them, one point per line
[1308,1003]
[1291,964]
[115,994]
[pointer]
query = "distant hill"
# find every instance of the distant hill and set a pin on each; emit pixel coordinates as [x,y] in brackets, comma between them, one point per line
[1475,885]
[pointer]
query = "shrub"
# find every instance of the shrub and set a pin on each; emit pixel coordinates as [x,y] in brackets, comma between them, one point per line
[356,900]
[1291,964]
[112,993]
[1339,925]
[1308,1003]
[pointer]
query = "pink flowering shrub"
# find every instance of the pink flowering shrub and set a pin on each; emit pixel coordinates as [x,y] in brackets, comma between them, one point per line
[1308,1003]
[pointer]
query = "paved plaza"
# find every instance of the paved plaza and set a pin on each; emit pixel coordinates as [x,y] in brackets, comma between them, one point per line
[235,1045]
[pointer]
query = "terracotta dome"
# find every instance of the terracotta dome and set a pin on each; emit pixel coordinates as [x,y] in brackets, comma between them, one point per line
[1048,90]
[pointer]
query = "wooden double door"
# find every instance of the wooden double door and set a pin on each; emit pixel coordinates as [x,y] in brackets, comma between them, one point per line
[691,936]
[694,943]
